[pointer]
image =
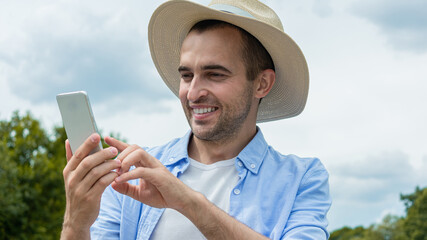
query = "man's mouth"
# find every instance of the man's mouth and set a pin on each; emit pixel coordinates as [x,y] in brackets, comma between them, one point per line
[204,110]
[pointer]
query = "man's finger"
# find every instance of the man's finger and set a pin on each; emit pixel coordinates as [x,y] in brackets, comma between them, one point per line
[121,187]
[102,183]
[146,174]
[92,164]
[127,189]
[68,152]
[90,143]
[126,152]
[138,158]
[121,146]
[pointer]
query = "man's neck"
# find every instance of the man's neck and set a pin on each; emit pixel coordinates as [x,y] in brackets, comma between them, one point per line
[208,152]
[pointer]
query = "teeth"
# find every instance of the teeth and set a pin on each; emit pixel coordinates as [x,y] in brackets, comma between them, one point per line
[203,110]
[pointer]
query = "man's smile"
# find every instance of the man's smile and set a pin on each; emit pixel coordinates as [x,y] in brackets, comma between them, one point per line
[204,110]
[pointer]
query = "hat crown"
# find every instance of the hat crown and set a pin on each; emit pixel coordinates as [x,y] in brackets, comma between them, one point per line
[255,8]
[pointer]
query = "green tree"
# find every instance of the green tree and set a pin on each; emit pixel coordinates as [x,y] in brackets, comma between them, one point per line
[411,227]
[32,197]
[347,233]
[391,228]
[358,233]
[415,223]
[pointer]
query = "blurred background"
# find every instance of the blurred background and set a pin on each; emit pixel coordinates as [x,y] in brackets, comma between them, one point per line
[365,117]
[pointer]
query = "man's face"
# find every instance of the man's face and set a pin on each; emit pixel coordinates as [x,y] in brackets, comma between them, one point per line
[214,91]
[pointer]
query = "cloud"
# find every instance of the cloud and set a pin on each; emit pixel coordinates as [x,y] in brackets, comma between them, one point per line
[366,187]
[373,177]
[403,22]
[322,8]
[65,47]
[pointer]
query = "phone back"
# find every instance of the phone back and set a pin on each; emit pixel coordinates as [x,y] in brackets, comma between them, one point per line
[77,117]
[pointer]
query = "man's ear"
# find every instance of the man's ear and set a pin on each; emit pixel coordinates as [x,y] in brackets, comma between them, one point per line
[264,83]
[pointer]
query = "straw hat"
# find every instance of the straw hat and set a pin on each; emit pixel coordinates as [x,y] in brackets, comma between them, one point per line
[172,20]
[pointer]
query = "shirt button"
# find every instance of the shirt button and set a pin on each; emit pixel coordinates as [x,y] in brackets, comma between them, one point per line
[240,164]
[253,165]
[171,159]
[236,191]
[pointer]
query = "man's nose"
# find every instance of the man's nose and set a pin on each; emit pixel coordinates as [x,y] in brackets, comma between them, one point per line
[197,89]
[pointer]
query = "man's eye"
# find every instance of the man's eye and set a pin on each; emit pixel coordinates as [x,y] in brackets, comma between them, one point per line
[216,75]
[186,76]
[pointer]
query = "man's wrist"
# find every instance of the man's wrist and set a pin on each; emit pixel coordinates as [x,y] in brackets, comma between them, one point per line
[70,231]
[200,212]
[193,205]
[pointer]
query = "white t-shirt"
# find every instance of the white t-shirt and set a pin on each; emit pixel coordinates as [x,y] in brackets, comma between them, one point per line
[215,181]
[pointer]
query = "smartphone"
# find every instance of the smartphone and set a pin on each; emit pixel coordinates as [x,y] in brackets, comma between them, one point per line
[77,118]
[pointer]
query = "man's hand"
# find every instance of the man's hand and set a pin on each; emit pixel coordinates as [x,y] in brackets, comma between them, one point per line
[86,177]
[157,186]
[161,189]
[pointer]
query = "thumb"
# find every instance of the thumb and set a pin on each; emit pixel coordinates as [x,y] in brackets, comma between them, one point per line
[122,188]
[128,189]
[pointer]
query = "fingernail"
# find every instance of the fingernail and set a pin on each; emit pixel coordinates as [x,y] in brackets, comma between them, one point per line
[118,179]
[118,164]
[93,138]
[113,150]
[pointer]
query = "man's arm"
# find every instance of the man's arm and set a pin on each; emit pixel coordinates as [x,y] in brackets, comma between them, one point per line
[214,223]
[161,189]
[308,217]
[86,177]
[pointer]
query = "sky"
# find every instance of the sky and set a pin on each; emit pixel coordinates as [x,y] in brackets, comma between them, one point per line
[365,117]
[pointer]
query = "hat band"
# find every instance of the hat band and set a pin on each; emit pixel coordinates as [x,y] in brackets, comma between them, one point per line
[231,9]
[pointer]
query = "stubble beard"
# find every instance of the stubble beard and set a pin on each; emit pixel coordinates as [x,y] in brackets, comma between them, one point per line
[229,123]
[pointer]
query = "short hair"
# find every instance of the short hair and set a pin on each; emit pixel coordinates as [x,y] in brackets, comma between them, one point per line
[255,57]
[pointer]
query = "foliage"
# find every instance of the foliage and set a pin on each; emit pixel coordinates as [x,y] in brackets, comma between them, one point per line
[31,184]
[347,233]
[415,224]
[411,227]
[32,196]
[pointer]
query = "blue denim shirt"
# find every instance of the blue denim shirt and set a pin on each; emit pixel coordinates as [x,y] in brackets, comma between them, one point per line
[279,196]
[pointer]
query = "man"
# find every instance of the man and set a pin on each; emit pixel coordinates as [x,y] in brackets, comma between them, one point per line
[232,66]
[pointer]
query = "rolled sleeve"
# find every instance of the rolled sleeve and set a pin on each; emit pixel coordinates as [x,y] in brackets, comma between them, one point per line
[308,216]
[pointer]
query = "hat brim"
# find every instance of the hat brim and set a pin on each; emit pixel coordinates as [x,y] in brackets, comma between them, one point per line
[170,24]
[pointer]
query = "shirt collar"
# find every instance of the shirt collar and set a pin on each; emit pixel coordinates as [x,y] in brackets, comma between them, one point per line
[179,151]
[251,156]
